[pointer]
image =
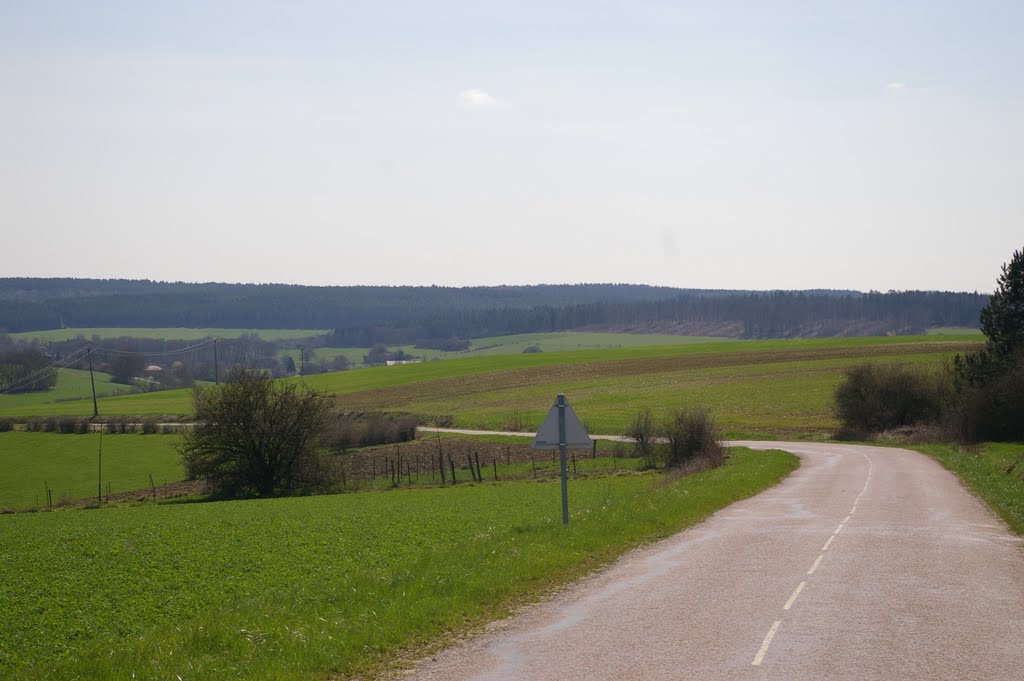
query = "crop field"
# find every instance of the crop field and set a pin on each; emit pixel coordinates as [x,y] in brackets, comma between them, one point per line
[754,388]
[68,465]
[770,389]
[303,588]
[72,384]
[164,334]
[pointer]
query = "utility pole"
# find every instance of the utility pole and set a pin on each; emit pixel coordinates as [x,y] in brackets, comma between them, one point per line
[302,360]
[216,373]
[92,381]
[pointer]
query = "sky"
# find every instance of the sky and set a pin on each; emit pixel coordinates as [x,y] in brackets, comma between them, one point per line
[739,145]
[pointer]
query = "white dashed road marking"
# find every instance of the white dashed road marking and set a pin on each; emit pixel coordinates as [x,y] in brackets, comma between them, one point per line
[767,642]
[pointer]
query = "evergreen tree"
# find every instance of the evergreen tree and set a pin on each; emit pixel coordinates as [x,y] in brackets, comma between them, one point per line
[1002,320]
[992,380]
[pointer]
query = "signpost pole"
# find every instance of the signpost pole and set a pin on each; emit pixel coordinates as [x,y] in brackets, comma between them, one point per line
[561,457]
[561,430]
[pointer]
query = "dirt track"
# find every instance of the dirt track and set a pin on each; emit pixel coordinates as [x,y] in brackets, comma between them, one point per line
[866,563]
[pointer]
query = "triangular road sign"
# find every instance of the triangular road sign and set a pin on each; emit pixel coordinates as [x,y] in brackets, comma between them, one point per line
[575,434]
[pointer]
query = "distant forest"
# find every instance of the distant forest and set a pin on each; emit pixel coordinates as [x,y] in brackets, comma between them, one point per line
[361,316]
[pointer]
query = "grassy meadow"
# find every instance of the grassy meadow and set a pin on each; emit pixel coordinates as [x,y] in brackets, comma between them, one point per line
[68,465]
[302,588]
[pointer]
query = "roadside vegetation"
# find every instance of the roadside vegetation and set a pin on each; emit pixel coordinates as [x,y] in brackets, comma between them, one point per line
[994,471]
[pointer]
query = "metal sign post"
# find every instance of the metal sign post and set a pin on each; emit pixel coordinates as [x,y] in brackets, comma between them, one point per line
[562,429]
[560,403]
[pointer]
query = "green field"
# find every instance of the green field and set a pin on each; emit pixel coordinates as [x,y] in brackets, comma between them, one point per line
[164,333]
[68,465]
[72,384]
[754,388]
[311,587]
[778,388]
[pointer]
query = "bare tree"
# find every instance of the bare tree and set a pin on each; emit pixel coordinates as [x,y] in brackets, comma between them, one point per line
[643,431]
[256,435]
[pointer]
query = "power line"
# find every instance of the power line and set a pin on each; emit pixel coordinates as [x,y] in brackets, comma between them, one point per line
[59,364]
[45,372]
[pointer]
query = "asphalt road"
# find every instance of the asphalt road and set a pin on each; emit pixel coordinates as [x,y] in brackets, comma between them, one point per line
[866,563]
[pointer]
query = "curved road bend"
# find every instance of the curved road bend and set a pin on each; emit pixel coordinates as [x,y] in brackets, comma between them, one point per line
[866,563]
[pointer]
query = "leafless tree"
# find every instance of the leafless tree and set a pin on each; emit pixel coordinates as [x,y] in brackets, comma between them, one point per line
[643,431]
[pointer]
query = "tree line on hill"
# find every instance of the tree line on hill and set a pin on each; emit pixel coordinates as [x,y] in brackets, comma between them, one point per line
[775,314]
[36,304]
[361,316]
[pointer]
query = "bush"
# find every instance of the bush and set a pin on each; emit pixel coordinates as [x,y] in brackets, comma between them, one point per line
[874,398]
[691,435]
[6,425]
[995,411]
[531,349]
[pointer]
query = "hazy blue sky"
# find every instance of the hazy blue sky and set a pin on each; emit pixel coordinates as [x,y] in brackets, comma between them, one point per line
[867,145]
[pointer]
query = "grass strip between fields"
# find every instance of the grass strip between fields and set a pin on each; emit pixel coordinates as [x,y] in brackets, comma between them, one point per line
[993,471]
[306,588]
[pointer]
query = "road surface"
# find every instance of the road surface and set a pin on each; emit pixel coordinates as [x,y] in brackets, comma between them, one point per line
[866,563]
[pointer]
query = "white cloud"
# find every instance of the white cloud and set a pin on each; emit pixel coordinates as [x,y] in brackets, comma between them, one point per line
[476,98]
[895,86]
